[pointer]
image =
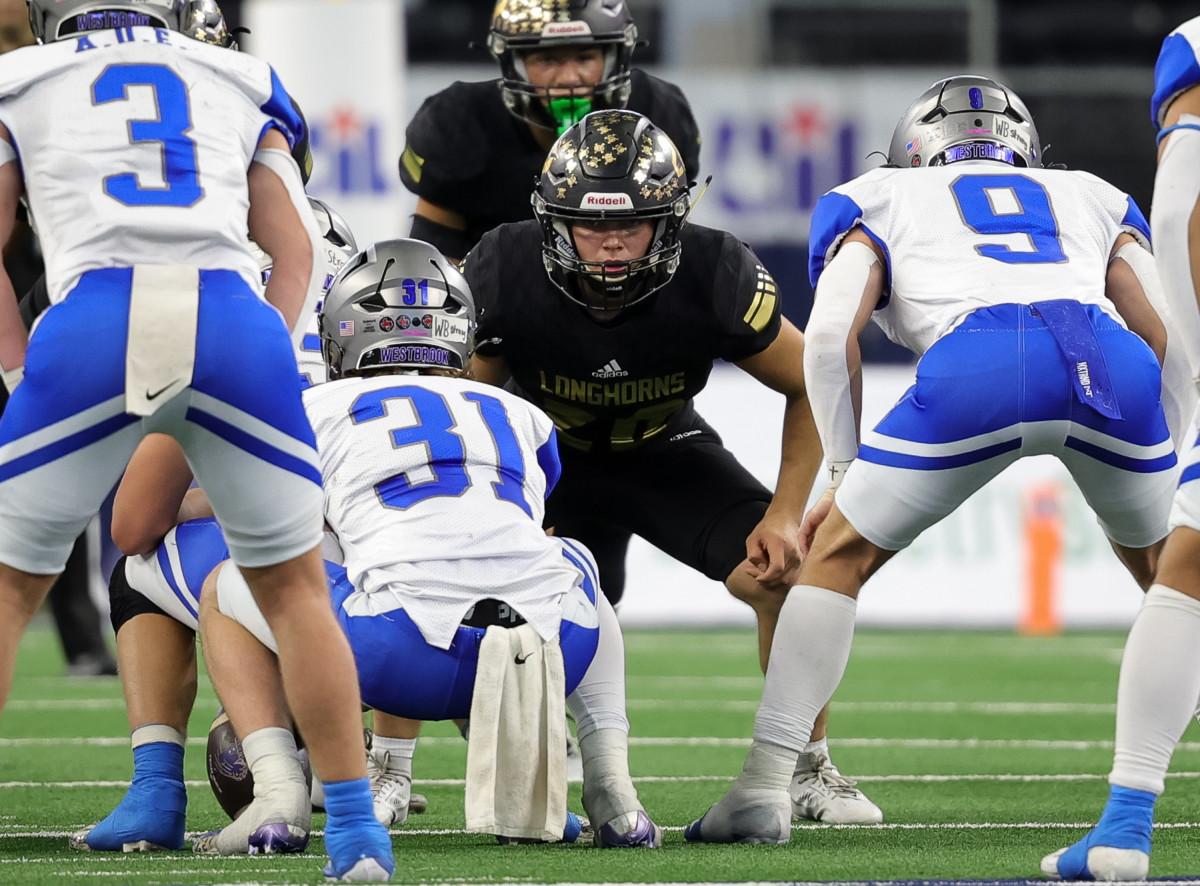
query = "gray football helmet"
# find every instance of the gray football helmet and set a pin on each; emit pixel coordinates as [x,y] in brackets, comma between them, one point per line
[398,304]
[339,243]
[199,19]
[966,118]
[521,26]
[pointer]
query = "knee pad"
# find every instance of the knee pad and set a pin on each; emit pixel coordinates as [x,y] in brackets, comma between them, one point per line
[124,602]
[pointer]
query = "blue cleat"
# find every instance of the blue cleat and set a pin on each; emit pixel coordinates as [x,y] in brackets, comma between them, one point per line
[359,847]
[1116,849]
[576,828]
[151,814]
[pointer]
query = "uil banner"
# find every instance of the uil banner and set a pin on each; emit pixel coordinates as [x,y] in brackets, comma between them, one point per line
[775,141]
[343,61]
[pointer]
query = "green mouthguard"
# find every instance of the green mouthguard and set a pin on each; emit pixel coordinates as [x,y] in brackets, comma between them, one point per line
[568,111]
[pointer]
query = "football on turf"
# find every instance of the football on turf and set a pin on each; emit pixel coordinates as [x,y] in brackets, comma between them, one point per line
[228,772]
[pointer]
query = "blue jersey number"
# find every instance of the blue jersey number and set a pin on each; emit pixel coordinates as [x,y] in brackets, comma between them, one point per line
[434,430]
[1031,216]
[169,130]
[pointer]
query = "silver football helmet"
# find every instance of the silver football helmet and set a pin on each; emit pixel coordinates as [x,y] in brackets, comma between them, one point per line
[966,118]
[339,243]
[199,19]
[398,304]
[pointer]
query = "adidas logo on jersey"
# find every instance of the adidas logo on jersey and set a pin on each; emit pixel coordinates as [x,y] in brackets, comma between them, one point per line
[611,369]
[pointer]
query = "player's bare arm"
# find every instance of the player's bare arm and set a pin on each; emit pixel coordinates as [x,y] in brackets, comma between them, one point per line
[148,501]
[276,227]
[489,370]
[1126,292]
[773,545]
[12,331]
[439,215]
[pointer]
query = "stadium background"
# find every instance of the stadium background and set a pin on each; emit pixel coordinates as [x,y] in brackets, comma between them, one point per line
[792,97]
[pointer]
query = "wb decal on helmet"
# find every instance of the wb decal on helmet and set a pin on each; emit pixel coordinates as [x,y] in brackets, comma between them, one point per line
[523,26]
[201,20]
[611,166]
[966,118]
[399,304]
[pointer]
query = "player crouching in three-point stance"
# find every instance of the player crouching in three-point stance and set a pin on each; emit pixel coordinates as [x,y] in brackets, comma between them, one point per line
[1025,290]
[177,336]
[455,602]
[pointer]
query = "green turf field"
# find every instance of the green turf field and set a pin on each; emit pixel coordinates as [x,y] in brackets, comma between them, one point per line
[985,751]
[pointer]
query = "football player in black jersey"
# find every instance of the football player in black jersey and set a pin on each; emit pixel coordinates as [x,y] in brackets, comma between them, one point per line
[475,149]
[607,311]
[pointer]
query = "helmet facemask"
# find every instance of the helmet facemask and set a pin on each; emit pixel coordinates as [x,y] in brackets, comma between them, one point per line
[613,284]
[520,27]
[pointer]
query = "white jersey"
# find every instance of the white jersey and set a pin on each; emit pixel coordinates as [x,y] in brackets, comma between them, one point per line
[435,488]
[1177,68]
[140,129]
[976,234]
[308,354]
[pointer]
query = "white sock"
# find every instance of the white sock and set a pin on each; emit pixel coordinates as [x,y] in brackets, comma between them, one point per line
[808,657]
[608,790]
[768,767]
[1158,688]
[598,702]
[156,732]
[813,751]
[399,751]
[273,760]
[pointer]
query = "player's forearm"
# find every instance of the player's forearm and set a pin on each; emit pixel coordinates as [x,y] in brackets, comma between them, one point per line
[832,359]
[13,338]
[148,500]
[800,460]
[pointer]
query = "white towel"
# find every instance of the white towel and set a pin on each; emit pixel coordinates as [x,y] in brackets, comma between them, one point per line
[516,750]
[160,352]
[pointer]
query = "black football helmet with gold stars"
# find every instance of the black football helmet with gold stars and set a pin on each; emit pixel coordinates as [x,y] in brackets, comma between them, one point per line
[521,26]
[611,166]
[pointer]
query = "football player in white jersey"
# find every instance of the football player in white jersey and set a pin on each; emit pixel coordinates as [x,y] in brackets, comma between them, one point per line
[435,488]
[1159,688]
[1024,291]
[153,287]
[154,595]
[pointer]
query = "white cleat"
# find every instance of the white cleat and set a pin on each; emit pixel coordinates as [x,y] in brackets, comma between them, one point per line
[277,822]
[391,793]
[365,870]
[744,816]
[821,793]
[1104,863]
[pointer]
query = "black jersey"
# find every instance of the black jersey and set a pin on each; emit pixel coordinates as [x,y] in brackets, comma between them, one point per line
[467,153]
[617,385]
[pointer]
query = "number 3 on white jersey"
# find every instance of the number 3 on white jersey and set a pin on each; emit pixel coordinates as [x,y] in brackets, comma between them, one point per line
[169,130]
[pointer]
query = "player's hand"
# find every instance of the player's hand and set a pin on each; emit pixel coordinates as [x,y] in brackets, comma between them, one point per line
[773,549]
[814,518]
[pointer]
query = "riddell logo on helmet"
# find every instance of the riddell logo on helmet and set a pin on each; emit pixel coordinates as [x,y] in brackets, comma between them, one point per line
[566,29]
[606,201]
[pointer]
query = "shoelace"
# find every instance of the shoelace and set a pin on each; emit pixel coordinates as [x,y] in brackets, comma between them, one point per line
[836,783]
